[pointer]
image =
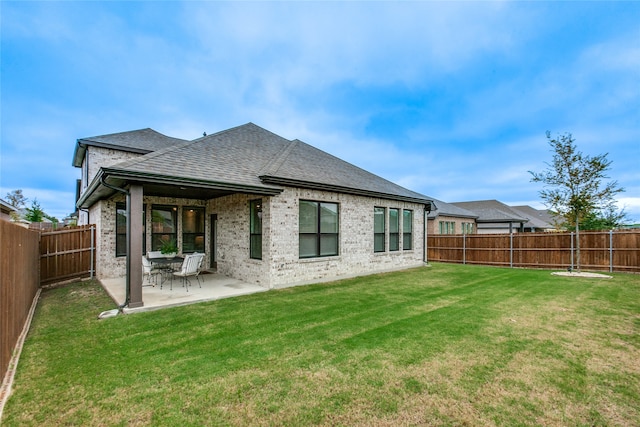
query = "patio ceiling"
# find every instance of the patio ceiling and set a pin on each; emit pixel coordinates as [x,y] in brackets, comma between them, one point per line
[186,192]
[164,186]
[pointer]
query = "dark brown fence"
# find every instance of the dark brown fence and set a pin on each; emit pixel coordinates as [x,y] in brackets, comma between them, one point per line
[67,254]
[19,283]
[604,250]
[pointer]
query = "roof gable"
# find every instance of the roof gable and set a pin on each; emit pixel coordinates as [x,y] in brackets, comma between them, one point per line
[233,156]
[538,218]
[492,211]
[141,141]
[448,209]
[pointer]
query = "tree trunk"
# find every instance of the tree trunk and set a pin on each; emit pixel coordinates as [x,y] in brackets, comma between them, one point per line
[578,242]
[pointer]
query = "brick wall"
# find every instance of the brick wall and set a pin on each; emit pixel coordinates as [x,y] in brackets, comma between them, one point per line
[434,224]
[95,158]
[280,265]
[103,214]
[233,238]
[356,256]
[103,157]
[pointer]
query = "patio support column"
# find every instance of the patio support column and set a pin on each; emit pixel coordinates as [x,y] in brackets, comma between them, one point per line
[134,259]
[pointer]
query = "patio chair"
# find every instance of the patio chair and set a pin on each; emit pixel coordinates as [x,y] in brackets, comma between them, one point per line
[149,270]
[190,267]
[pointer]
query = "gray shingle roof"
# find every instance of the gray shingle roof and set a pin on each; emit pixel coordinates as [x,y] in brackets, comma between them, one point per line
[537,218]
[448,209]
[233,156]
[492,211]
[6,207]
[252,157]
[301,164]
[141,141]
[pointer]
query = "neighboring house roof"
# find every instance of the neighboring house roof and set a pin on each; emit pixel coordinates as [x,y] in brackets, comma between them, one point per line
[246,159]
[6,208]
[538,218]
[447,209]
[492,211]
[140,141]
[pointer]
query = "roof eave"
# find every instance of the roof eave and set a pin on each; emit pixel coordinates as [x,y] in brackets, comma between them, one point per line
[453,215]
[78,154]
[90,195]
[97,190]
[92,143]
[145,177]
[508,220]
[82,144]
[289,182]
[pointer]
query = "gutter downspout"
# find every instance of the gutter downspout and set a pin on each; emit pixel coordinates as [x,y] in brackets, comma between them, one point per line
[427,211]
[128,210]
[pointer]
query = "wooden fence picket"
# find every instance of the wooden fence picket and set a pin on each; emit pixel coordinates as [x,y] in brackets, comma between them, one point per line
[617,250]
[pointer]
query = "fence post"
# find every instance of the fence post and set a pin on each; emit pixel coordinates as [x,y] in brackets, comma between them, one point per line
[92,249]
[464,249]
[610,251]
[511,249]
[571,251]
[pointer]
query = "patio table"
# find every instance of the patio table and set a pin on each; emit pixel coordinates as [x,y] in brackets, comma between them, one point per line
[166,264]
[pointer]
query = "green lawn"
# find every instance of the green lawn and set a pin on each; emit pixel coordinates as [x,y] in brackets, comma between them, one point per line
[446,345]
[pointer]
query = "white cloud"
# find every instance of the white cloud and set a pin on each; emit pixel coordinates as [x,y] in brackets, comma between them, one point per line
[631,206]
[214,65]
[277,47]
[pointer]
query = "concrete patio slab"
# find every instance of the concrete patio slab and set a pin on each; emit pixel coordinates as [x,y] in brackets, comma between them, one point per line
[212,286]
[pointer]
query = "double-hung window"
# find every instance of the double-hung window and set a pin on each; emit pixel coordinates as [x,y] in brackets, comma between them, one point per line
[164,226]
[378,229]
[447,227]
[407,230]
[255,229]
[394,229]
[192,229]
[467,228]
[318,229]
[121,229]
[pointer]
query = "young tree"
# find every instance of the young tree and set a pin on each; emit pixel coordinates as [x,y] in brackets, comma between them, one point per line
[573,184]
[17,199]
[53,220]
[607,219]
[35,212]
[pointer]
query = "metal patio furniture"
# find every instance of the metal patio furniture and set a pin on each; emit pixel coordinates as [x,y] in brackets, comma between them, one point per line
[190,267]
[149,270]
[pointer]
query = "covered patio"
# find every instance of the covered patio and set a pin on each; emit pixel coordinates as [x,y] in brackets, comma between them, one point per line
[214,286]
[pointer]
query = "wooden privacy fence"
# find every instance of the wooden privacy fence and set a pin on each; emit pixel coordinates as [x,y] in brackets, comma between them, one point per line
[66,254]
[19,284]
[28,259]
[603,250]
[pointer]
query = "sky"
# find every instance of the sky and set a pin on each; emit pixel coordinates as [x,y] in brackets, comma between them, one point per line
[449,99]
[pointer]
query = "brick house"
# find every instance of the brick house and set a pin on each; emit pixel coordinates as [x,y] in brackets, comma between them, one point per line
[495,217]
[262,208]
[446,218]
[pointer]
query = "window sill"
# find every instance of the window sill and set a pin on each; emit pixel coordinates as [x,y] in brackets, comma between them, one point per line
[320,259]
[407,251]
